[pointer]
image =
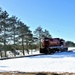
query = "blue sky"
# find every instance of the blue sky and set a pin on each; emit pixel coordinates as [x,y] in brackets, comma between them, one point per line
[57,16]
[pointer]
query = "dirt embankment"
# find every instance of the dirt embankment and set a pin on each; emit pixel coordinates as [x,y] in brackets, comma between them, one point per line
[18,73]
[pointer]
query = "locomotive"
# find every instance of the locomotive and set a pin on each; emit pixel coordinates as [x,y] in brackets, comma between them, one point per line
[52,45]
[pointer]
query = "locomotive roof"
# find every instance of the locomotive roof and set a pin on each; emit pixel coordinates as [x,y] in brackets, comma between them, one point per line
[54,38]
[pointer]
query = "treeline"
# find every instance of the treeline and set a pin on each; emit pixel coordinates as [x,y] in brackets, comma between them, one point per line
[13,33]
[16,35]
[70,44]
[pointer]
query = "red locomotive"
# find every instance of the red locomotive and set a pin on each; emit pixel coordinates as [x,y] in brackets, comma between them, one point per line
[52,45]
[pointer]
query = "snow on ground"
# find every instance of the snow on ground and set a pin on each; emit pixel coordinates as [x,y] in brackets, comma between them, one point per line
[20,53]
[71,48]
[58,62]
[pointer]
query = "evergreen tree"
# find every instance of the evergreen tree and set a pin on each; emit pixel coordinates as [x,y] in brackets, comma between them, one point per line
[38,33]
[4,25]
[24,35]
[46,34]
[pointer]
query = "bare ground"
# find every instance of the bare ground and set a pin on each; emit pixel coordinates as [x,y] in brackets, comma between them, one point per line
[42,73]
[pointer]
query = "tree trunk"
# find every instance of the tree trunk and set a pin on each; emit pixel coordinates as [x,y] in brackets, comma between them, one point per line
[14,44]
[23,45]
[1,54]
[4,42]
